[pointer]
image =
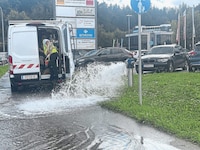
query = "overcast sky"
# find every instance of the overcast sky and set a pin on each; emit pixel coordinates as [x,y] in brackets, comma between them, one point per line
[157,3]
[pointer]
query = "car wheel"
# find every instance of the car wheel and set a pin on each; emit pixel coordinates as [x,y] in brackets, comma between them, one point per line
[171,67]
[186,66]
[192,69]
[137,70]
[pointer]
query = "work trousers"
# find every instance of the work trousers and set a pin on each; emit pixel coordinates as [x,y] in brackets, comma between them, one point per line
[53,66]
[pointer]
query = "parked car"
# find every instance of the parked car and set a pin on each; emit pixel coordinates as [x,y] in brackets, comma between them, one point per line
[109,54]
[136,53]
[194,58]
[163,58]
[3,61]
[91,52]
[78,53]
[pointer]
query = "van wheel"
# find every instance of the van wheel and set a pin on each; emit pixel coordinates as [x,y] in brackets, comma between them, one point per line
[13,88]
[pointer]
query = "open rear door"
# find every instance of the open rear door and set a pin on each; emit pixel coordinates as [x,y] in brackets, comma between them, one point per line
[23,47]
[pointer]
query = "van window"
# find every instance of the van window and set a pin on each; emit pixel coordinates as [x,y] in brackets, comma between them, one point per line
[25,43]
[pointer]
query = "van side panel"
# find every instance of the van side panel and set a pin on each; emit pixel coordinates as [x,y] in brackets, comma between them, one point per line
[23,48]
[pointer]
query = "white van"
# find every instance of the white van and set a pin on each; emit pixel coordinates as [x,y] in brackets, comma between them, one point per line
[25,41]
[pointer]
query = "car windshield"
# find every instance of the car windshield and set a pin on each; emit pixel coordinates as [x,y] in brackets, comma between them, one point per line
[161,50]
[92,52]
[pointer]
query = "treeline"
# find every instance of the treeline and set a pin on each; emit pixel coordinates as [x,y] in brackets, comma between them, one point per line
[112,21]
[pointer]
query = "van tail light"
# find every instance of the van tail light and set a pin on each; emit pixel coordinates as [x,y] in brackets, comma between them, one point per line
[192,53]
[10,64]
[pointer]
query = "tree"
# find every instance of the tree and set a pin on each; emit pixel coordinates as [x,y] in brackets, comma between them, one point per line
[14,15]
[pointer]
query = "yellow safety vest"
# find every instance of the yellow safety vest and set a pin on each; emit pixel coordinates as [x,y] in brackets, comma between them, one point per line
[53,50]
[45,49]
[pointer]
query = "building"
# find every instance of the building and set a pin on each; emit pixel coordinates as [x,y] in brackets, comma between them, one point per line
[82,15]
[151,36]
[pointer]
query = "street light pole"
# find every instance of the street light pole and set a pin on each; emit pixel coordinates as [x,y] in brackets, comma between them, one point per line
[129,40]
[2,27]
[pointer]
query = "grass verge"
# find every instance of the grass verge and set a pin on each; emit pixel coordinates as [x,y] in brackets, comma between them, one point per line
[3,70]
[171,102]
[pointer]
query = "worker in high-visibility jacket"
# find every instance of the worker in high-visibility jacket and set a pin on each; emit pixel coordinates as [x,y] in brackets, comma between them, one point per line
[51,58]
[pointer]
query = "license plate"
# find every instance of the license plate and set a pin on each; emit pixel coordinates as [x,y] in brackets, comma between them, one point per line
[29,77]
[148,65]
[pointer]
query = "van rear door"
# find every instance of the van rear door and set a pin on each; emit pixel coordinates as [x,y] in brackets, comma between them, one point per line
[23,49]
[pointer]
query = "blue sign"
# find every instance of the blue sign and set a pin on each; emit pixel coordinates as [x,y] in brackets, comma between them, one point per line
[140,6]
[85,33]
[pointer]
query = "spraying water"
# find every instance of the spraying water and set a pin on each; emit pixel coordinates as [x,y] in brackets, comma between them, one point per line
[90,85]
[99,80]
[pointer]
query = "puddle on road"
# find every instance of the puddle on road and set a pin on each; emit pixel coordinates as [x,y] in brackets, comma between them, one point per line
[119,139]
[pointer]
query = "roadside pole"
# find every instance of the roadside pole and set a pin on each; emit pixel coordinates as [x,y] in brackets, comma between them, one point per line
[140,6]
[130,65]
[140,62]
[2,26]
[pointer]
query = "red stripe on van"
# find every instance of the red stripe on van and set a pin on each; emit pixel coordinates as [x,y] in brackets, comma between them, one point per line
[30,66]
[21,66]
[14,66]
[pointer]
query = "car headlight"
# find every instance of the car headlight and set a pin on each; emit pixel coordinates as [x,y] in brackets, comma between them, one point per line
[162,60]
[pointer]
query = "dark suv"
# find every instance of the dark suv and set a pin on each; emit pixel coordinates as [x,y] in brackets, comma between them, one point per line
[194,58]
[163,58]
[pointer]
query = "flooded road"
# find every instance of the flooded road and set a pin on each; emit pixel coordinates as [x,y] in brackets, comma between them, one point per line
[72,119]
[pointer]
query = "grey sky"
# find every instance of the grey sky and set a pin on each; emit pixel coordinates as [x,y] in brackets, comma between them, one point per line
[157,3]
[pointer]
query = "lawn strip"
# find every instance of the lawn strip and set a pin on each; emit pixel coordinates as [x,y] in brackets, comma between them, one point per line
[3,70]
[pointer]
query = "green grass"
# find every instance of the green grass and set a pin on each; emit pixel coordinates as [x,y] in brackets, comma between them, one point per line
[171,102]
[3,70]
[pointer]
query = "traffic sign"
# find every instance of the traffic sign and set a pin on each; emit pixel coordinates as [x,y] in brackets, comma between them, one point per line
[140,6]
[85,33]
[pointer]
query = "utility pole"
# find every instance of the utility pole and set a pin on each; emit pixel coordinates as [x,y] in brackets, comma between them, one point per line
[2,27]
[129,40]
[193,29]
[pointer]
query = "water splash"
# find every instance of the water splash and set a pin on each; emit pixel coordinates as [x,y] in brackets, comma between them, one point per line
[90,85]
[96,79]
